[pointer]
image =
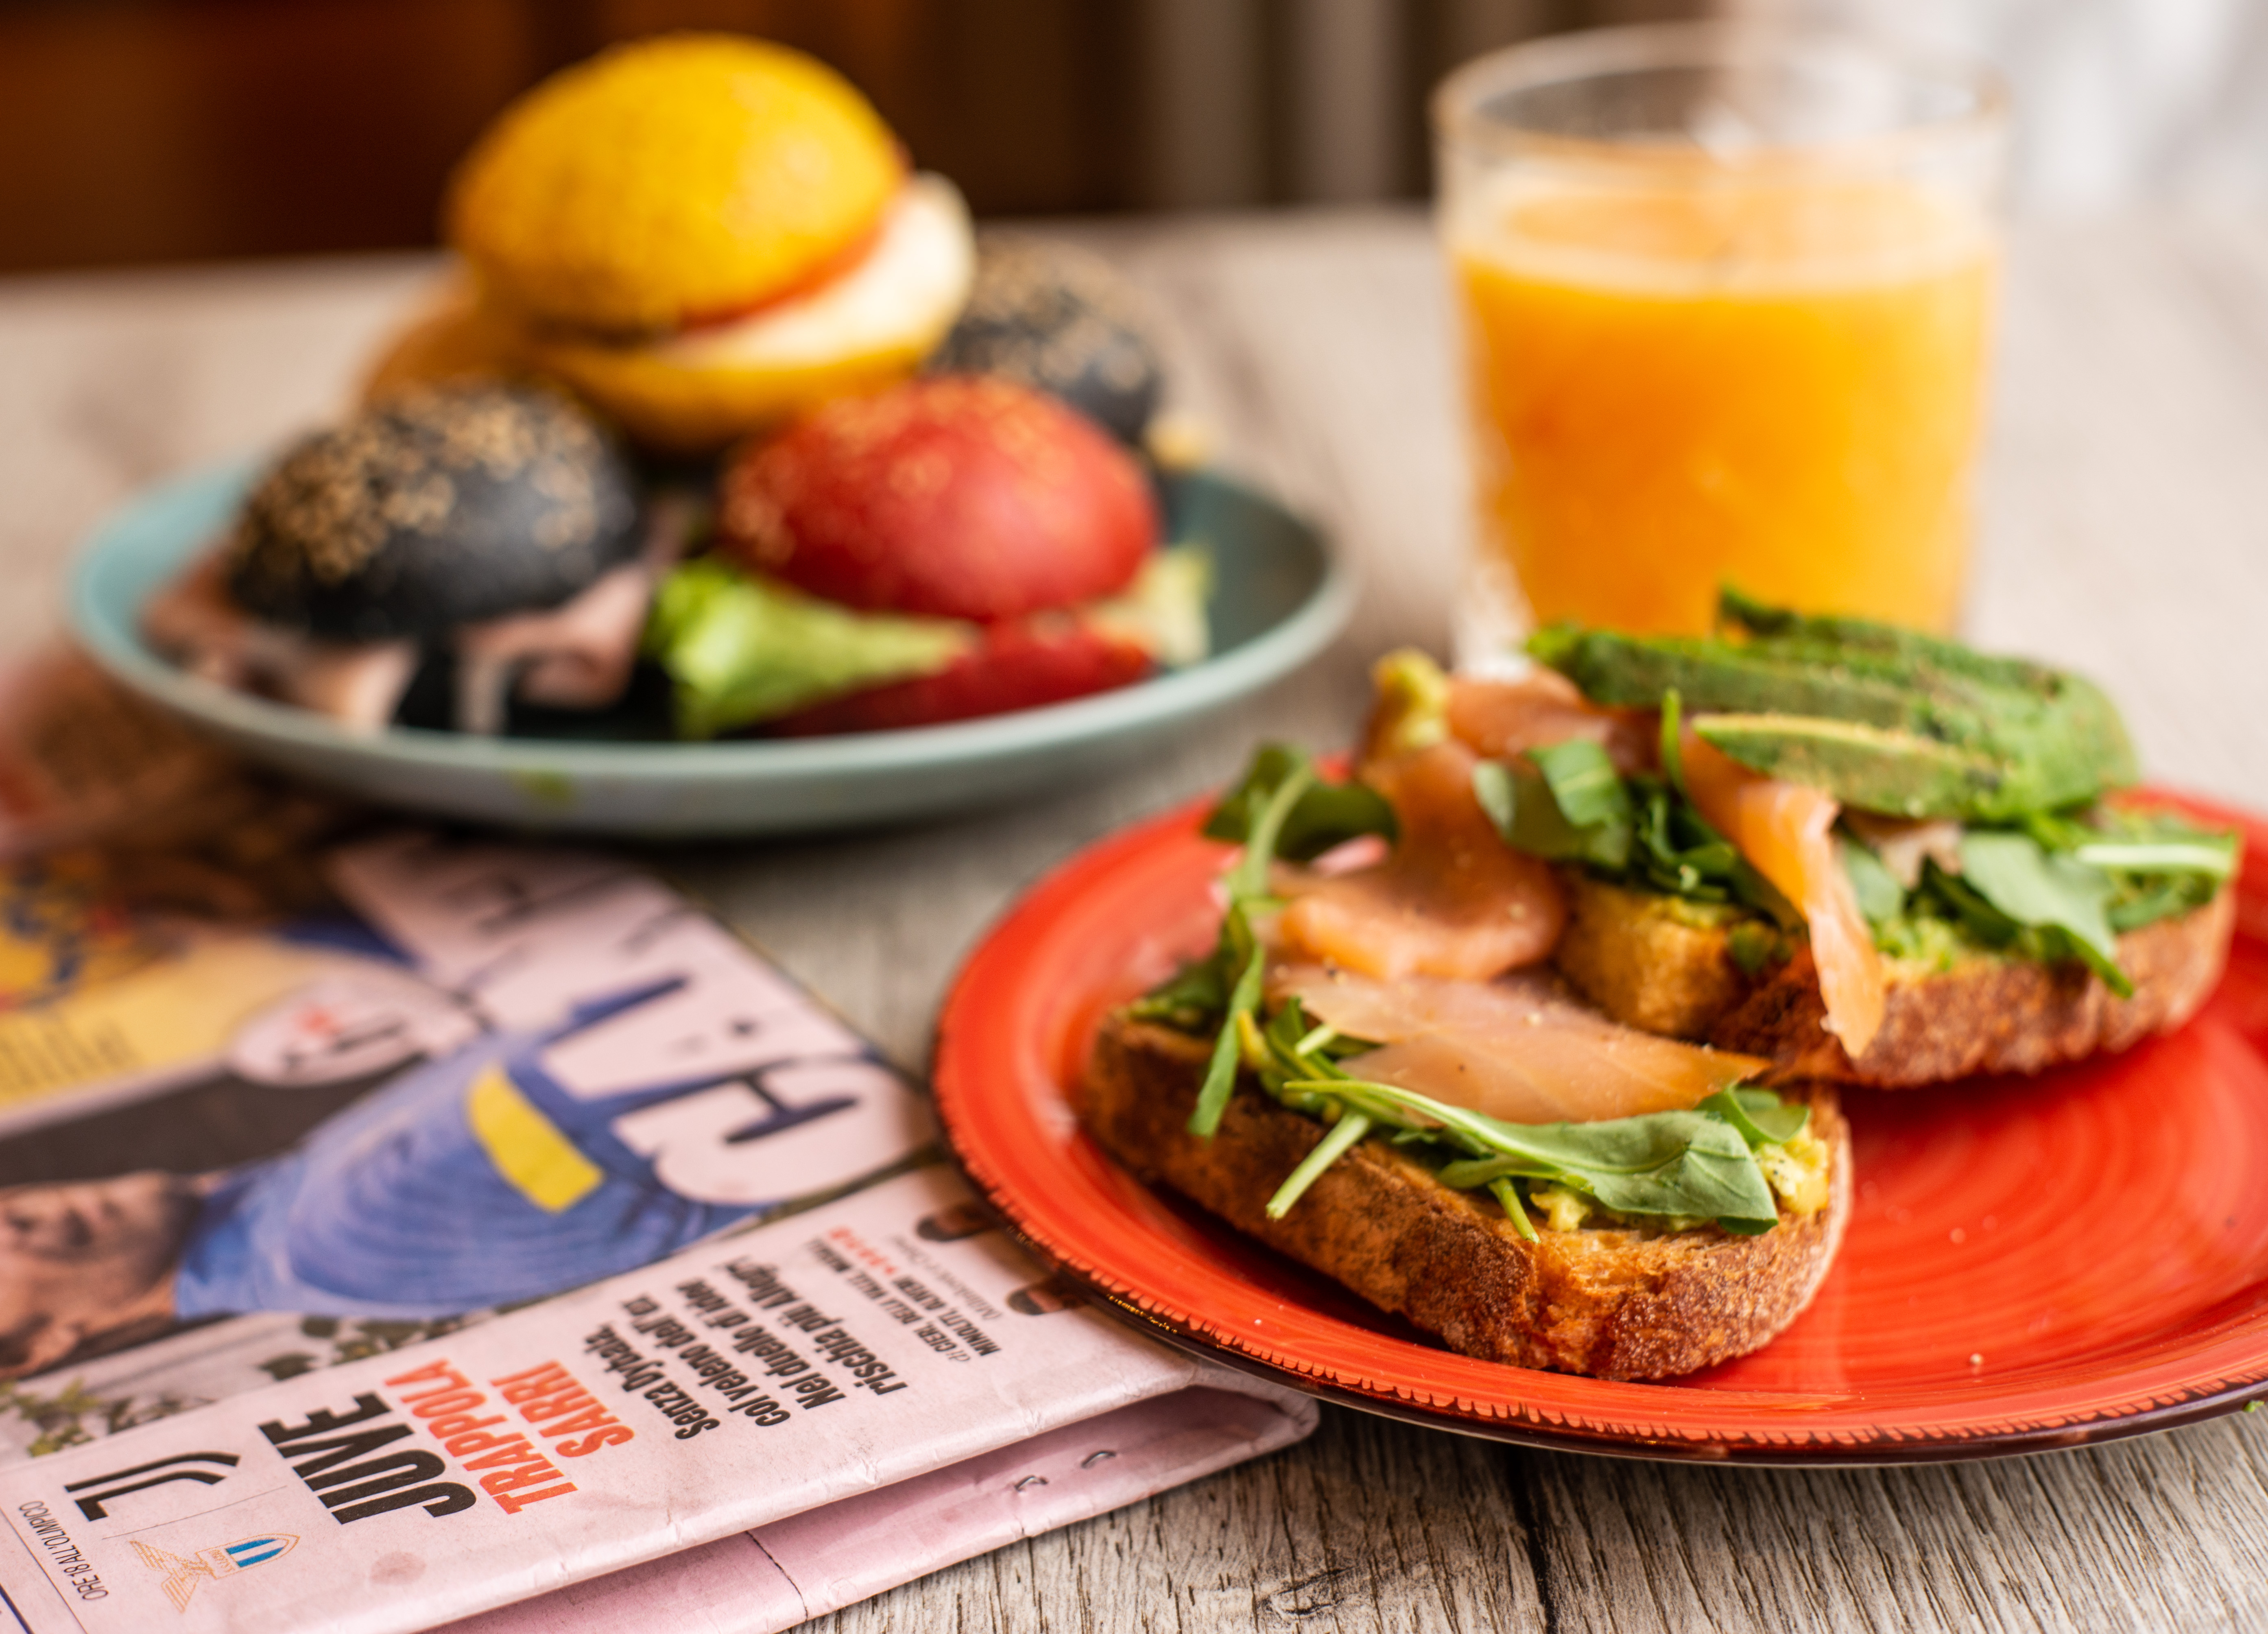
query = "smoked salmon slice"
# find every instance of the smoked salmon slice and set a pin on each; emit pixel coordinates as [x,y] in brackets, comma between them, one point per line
[1498,718]
[1451,899]
[1786,831]
[1517,1048]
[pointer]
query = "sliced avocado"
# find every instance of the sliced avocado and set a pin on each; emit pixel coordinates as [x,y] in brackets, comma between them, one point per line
[1717,677]
[1782,629]
[1886,719]
[1874,769]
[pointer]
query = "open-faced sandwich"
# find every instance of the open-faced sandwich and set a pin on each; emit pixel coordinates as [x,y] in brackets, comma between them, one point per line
[1808,836]
[1869,855]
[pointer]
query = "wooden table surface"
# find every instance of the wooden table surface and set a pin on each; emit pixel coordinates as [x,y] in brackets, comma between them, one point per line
[2125,530]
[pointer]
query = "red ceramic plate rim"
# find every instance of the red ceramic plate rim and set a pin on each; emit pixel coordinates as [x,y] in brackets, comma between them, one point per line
[1016,1025]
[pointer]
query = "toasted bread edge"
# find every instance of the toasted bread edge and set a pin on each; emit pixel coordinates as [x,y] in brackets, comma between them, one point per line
[1607,1302]
[1987,1014]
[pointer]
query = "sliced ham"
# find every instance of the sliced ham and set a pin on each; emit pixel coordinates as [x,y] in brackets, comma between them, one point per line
[194,621]
[1785,830]
[1518,1049]
[576,656]
[1498,718]
[579,654]
[1451,899]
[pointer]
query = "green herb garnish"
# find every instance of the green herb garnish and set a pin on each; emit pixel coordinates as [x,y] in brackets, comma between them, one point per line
[1695,1164]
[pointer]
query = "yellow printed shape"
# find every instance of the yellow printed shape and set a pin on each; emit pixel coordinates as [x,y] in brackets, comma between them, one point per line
[179,1011]
[526,1147]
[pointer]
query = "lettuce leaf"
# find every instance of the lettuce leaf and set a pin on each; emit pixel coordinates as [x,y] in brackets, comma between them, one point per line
[741,649]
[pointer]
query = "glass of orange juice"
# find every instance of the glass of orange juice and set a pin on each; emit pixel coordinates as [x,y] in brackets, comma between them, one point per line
[1725,296]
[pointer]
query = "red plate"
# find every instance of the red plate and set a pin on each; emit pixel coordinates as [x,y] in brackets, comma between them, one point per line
[2031,1263]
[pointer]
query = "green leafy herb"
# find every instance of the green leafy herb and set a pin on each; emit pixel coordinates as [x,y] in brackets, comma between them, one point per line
[1247,883]
[1191,1000]
[1281,808]
[1763,1118]
[1352,1127]
[2052,894]
[1679,853]
[1880,897]
[1697,1165]
[1324,815]
[1693,1164]
[2211,856]
[1506,1193]
[1587,790]
[1672,739]
[1522,804]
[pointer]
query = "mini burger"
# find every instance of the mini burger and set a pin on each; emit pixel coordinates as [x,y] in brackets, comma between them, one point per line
[700,234]
[955,546]
[1056,318]
[491,531]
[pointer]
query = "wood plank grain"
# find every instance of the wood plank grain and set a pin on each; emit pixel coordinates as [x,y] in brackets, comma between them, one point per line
[1370,1526]
[2123,531]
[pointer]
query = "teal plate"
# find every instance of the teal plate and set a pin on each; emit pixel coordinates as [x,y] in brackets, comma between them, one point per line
[1281,595]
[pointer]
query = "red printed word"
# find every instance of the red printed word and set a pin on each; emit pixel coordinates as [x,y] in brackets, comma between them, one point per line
[513,1470]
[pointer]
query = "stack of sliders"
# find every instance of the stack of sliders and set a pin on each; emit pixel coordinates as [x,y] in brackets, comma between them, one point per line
[700,284]
[1529,1030]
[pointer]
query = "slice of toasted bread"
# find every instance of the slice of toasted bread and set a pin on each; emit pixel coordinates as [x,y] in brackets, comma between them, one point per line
[1611,1302]
[1653,961]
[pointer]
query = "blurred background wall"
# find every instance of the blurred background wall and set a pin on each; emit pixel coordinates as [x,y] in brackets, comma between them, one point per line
[147,131]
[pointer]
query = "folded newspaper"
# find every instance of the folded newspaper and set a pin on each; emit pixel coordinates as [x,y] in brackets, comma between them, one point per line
[401,1230]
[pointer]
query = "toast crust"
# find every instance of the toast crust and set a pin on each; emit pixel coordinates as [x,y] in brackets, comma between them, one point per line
[1646,968]
[1608,1302]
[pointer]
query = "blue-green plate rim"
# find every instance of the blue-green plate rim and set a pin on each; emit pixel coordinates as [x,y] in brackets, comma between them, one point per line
[1269,655]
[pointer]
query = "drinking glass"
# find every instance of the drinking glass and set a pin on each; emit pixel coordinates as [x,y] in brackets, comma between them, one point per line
[1725,294]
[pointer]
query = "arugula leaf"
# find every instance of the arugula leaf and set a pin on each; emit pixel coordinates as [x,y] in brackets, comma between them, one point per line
[1672,741]
[1880,897]
[1763,1118]
[1585,785]
[1352,1127]
[2046,891]
[1684,1163]
[1324,815]
[1697,1165]
[1691,1164]
[1241,951]
[1529,814]
[2213,856]
[1190,999]
[1261,813]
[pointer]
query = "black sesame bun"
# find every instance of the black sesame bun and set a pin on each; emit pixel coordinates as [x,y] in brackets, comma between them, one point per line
[1061,322]
[442,506]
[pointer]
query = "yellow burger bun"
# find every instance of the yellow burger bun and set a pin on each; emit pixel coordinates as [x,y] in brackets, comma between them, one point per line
[672,181]
[452,336]
[695,392]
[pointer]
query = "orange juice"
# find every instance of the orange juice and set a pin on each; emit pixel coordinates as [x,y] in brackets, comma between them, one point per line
[1770,379]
